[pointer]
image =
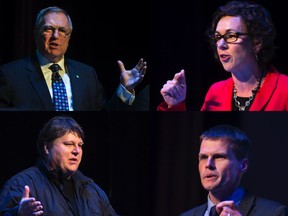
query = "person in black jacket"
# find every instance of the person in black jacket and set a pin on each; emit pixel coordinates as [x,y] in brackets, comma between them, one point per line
[54,185]
[223,159]
[26,84]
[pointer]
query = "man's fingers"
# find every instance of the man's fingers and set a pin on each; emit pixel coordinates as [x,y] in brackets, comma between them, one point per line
[121,65]
[141,67]
[139,64]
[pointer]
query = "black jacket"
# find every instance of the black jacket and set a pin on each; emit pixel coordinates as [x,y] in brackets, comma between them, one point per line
[46,187]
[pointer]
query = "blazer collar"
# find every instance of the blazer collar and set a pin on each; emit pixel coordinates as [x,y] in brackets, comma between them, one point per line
[265,92]
[76,81]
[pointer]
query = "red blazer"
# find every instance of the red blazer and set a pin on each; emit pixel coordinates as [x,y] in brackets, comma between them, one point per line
[272,96]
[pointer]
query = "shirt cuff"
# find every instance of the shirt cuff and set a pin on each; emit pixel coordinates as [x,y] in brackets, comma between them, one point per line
[126,96]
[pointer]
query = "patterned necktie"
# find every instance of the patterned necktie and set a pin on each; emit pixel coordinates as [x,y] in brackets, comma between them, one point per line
[60,99]
[213,211]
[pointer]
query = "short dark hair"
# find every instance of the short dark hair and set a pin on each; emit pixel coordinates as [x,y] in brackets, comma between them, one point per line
[258,22]
[55,128]
[239,141]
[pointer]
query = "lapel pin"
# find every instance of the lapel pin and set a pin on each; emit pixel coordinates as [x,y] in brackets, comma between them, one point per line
[77,76]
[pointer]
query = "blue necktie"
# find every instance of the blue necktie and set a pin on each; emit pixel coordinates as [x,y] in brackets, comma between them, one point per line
[60,99]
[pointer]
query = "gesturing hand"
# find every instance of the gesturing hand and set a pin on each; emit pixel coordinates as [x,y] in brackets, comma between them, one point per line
[174,91]
[131,78]
[28,205]
[227,208]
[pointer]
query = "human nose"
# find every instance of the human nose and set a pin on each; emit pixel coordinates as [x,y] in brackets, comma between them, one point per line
[221,43]
[76,150]
[210,164]
[55,33]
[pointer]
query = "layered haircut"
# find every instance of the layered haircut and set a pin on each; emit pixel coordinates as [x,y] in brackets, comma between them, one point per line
[258,22]
[57,127]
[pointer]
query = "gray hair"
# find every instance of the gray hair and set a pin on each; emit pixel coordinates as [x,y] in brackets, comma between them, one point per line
[53,9]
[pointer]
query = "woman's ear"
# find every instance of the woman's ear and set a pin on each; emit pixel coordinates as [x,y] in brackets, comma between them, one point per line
[257,47]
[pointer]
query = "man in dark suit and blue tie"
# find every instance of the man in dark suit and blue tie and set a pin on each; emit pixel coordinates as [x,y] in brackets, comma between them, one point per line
[223,159]
[26,84]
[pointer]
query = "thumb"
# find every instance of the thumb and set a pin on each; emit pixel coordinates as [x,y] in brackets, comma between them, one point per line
[26,192]
[121,66]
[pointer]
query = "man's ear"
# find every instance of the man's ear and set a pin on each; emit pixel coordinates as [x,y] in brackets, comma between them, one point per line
[244,164]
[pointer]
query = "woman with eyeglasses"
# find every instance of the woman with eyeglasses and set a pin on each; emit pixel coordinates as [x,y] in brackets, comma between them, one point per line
[242,37]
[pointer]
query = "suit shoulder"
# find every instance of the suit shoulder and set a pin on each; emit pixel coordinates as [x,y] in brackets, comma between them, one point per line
[267,202]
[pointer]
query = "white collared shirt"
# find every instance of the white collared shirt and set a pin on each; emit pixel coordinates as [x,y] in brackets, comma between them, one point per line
[45,64]
[126,96]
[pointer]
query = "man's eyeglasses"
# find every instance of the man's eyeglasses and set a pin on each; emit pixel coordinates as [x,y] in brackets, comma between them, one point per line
[50,30]
[229,37]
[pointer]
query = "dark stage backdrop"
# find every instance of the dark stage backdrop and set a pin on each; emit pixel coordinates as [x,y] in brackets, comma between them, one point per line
[103,32]
[176,139]
[178,42]
[116,153]
[145,161]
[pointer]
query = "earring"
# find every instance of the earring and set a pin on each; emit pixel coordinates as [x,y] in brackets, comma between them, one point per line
[256,56]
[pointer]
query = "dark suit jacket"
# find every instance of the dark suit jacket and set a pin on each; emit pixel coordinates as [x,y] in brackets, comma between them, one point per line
[23,87]
[249,206]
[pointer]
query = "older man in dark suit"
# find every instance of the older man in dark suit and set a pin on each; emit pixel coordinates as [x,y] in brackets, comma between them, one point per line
[28,84]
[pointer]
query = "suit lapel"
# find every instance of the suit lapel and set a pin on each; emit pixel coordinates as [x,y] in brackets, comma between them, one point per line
[247,203]
[76,82]
[38,82]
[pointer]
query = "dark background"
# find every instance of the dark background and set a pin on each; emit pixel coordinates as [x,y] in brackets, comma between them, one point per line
[103,32]
[177,184]
[145,161]
[178,42]
[116,153]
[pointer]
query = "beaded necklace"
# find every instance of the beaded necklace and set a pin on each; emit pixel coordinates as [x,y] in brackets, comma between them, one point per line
[250,100]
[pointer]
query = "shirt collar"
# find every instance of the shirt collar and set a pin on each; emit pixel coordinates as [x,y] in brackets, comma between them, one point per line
[45,63]
[236,196]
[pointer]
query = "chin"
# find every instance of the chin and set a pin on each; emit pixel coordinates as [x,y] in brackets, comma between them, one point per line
[227,68]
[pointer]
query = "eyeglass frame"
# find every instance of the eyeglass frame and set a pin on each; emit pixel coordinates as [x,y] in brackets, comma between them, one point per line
[218,37]
[53,29]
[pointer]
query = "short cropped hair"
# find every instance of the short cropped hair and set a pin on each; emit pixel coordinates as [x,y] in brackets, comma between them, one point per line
[53,9]
[240,143]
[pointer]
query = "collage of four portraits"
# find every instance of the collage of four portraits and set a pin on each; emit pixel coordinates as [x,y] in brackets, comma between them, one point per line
[198,69]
